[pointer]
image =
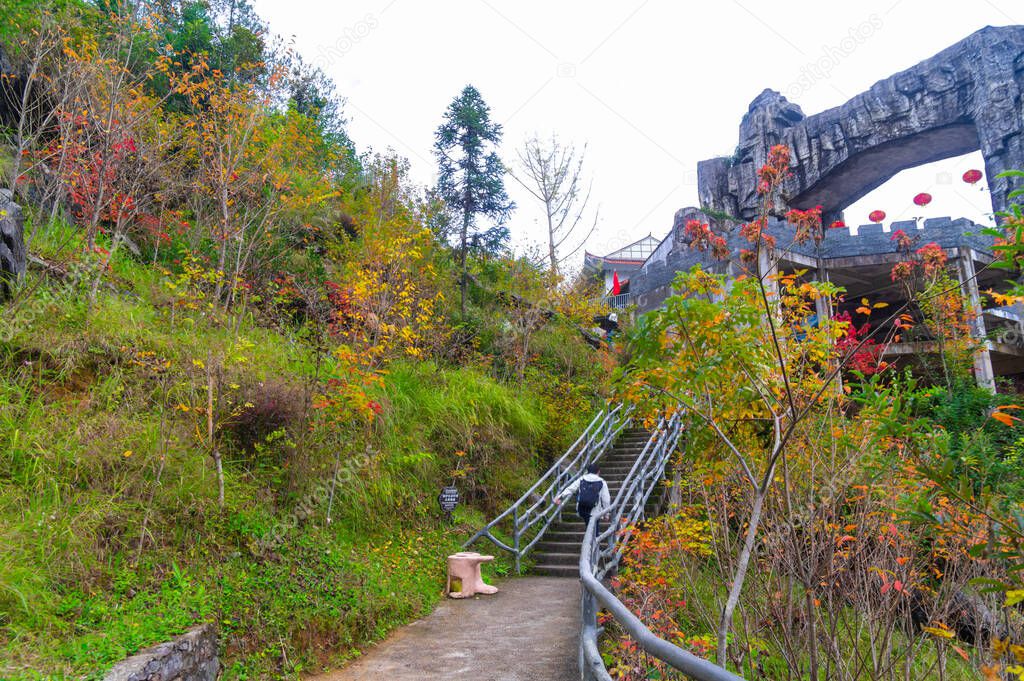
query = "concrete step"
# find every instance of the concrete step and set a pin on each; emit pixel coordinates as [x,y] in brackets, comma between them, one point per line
[562,534]
[571,526]
[562,537]
[578,527]
[569,571]
[570,559]
[569,546]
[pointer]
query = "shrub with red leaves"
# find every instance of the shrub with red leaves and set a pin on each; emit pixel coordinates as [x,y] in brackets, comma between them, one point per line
[866,359]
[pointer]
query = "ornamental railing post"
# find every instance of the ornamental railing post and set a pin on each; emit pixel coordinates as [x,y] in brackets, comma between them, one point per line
[515,540]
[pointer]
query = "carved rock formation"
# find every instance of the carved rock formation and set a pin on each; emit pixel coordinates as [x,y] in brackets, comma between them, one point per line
[12,243]
[967,97]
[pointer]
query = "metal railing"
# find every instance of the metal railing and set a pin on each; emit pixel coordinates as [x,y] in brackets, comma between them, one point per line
[620,301]
[600,555]
[530,516]
[616,302]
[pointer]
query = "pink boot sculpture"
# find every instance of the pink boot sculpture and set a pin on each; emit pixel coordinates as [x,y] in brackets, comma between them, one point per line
[464,569]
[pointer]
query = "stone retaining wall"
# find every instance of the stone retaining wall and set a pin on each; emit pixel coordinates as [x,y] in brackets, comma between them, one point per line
[189,657]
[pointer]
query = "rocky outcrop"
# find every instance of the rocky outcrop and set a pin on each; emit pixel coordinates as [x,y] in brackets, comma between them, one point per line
[190,657]
[12,243]
[967,97]
[10,89]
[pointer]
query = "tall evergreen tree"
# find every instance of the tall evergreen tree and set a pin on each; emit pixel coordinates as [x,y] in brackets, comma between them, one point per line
[471,176]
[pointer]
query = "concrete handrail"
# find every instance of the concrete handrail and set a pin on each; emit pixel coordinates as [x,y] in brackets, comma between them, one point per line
[535,510]
[595,563]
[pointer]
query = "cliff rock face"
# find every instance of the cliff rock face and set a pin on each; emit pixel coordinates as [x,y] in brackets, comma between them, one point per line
[12,243]
[967,97]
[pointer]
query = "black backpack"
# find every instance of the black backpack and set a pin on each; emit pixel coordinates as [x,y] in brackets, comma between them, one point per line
[589,494]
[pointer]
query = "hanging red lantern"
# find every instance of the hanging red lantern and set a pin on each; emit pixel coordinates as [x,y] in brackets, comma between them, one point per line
[973,176]
[923,199]
[877,215]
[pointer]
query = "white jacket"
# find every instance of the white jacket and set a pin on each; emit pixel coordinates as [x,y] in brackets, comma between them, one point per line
[606,498]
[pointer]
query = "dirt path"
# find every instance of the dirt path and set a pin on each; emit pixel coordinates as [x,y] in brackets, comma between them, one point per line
[526,632]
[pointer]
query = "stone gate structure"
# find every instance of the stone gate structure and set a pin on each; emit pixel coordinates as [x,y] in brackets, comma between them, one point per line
[965,98]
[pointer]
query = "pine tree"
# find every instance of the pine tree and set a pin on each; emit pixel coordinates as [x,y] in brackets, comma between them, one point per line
[471,176]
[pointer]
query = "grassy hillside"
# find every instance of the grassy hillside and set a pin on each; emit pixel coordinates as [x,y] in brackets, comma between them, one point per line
[239,371]
[111,535]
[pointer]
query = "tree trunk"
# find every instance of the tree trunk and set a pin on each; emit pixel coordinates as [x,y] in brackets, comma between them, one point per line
[222,257]
[738,578]
[812,634]
[94,287]
[463,277]
[551,243]
[214,449]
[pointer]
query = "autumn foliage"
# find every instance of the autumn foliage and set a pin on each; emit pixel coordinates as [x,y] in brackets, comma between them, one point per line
[827,542]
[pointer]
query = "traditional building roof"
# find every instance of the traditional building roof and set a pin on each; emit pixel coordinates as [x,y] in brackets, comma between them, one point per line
[628,258]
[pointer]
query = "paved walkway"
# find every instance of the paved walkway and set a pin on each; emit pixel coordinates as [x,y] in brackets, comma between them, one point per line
[528,631]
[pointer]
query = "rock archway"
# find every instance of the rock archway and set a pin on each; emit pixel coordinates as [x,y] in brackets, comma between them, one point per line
[965,98]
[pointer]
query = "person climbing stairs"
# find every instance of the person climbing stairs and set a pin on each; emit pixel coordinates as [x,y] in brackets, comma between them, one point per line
[558,553]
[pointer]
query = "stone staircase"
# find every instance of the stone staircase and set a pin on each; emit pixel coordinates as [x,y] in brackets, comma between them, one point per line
[558,553]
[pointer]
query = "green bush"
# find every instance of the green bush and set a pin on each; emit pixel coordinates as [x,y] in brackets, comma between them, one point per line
[986,450]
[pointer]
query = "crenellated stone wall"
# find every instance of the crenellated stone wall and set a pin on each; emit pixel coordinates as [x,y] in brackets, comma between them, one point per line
[653,282]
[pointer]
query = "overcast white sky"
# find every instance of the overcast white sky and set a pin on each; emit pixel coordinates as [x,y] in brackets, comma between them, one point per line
[653,86]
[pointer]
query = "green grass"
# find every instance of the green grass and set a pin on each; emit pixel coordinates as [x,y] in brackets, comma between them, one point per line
[111,537]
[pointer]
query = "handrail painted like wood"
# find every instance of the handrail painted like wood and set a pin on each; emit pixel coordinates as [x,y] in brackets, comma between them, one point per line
[532,514]
[625,510]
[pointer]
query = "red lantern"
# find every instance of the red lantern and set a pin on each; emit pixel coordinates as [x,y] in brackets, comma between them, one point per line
[973,176]
[877,215]
[923,199]
[838,224]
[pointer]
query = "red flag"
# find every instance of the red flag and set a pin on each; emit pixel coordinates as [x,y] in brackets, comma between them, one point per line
[616,289]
